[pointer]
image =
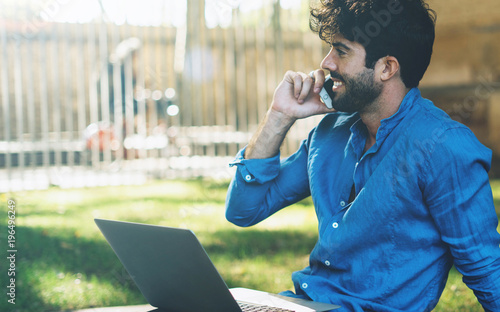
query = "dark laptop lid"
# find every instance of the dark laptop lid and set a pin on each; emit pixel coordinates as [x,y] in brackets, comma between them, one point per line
[169,266]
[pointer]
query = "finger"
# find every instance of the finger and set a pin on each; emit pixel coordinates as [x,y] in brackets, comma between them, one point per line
[319,79]
[307,83]
[297,85]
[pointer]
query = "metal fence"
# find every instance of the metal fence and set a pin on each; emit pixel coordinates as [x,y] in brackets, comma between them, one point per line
[100,103]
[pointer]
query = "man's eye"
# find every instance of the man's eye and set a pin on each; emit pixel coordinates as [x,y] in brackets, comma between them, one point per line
[341,52]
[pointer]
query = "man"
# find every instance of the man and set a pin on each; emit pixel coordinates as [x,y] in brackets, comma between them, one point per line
[400,190]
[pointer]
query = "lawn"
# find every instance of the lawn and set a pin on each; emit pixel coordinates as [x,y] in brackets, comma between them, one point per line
[63,262]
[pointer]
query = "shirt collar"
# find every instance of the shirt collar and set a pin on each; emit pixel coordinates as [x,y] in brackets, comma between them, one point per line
[388,124]
[359,131]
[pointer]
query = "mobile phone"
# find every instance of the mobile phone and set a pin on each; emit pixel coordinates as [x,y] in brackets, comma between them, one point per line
[327,93]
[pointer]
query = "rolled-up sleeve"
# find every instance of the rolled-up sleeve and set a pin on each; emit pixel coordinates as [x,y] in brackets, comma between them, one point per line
[256,170]
[261,187]
[460,200]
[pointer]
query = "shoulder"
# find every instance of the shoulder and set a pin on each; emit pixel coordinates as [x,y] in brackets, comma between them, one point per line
[444,139]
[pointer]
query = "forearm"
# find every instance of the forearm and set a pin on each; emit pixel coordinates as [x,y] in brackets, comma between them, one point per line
[267,140]
[296,97]
[486,287]
[261,187]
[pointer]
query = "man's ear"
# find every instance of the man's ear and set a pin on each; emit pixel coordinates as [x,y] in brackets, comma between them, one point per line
[388,67]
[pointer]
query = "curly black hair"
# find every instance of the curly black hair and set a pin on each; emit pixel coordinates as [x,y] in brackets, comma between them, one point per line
[404,29]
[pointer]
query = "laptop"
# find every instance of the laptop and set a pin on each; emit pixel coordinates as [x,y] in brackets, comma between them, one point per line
[174,273]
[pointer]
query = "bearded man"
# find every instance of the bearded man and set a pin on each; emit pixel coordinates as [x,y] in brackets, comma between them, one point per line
[400,190]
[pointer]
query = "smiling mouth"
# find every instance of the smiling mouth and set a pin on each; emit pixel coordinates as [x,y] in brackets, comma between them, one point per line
[337,85]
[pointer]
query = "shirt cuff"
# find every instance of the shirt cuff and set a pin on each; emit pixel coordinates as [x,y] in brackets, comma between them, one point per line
[256,170]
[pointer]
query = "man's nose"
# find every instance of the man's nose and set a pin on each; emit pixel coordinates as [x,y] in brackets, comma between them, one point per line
[329,62]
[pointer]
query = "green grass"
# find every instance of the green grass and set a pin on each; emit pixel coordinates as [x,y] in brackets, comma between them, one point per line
[63,262]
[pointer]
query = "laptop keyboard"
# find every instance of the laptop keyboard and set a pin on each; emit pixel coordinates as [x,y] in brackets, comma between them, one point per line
[251,307]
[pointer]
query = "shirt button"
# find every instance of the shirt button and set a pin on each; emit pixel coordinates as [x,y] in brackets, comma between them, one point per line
[304,285]
[342,203]
[335,225]
[248,177]
[327,263]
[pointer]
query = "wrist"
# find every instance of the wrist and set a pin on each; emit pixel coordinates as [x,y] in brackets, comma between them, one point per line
[279,121]
[267,140]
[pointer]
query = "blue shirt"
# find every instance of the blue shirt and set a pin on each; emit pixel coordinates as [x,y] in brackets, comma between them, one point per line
[423,203]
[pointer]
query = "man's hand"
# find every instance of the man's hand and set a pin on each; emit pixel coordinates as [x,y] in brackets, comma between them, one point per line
[297,96]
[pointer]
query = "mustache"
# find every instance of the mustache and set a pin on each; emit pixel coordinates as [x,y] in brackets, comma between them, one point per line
[337,76]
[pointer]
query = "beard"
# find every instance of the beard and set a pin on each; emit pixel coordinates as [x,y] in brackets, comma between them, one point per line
[360,92]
